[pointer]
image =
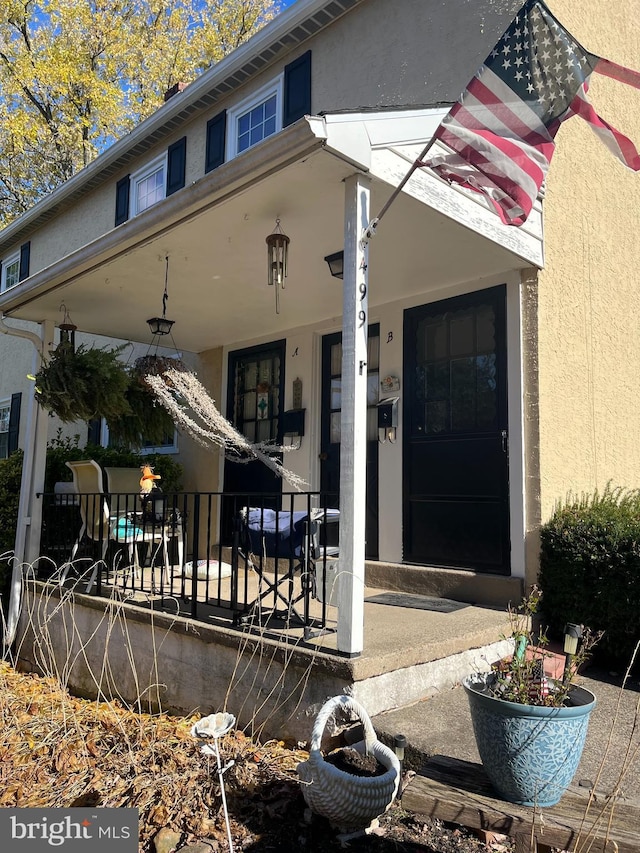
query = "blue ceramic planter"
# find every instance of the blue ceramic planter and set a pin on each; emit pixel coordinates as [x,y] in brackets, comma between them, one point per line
[529,753]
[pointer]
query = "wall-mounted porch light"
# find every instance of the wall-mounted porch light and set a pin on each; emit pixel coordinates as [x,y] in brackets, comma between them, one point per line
[67,330]
[160,325]
[336,264]
[277,256]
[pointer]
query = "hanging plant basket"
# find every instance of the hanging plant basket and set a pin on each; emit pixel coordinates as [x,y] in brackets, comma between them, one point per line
[145,421]
[155,365]
[350,802]
[85,384]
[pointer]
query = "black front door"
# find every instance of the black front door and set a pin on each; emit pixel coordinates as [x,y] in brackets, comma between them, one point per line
[255,399]
[455,485]
[330,431]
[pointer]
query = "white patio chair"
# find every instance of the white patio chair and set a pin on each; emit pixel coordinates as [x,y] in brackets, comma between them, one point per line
[99,525]
[94,512]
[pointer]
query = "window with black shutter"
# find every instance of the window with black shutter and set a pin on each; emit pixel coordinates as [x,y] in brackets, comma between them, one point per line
[122,200]
[25,256]
[297,89]
[176,165]
[14,423]
[216,135]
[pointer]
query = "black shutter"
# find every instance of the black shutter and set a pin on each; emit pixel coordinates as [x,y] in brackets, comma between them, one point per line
[25,255]
[216,137]
[122,200]
[297,89]
[93,435]
[176,165]
[14,423]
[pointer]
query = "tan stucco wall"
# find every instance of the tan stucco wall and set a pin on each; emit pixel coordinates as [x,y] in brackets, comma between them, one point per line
[589,307]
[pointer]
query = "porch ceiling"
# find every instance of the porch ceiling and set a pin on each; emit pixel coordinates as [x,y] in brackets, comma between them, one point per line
[217,260]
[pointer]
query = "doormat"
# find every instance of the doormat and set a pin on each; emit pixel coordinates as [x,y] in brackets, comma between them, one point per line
[417,602]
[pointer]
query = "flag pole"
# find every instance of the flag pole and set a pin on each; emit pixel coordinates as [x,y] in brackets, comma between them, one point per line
[370,230]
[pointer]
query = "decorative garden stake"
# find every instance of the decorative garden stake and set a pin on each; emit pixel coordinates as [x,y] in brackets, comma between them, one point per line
[215,726]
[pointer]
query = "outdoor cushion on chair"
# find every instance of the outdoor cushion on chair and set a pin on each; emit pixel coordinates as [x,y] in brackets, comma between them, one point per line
[276,534]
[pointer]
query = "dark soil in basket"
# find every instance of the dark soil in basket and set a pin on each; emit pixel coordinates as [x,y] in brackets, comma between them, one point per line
[353,762]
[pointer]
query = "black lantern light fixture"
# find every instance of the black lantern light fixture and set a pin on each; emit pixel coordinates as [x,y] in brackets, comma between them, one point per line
[336,264]
[160,326]
[67,330]
[277,255]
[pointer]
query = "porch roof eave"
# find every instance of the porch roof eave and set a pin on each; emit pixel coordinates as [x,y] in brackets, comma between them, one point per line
[213,231]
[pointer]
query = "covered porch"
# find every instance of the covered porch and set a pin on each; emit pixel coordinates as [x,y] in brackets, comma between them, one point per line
[324,178]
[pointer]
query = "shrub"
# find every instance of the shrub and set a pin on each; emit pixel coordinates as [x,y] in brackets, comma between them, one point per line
[590,568]
[10,477]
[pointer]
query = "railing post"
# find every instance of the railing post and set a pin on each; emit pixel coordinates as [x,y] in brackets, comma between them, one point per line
[195,555]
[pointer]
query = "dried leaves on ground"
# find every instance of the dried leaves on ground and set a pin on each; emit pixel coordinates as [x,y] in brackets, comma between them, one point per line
[57,750]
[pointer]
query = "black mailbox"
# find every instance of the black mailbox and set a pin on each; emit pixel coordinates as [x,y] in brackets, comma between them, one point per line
[293,423]
[388,413]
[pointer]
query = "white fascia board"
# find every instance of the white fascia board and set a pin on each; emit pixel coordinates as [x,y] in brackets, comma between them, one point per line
[391,164]
[356,134]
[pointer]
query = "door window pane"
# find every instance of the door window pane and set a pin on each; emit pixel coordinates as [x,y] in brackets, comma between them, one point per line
[336,359]
[461,333]
[455,371]
[336,393]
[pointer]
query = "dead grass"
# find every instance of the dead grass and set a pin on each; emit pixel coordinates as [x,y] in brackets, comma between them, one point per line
[57,750]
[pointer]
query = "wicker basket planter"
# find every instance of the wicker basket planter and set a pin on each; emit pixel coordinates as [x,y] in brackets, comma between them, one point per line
[349,802]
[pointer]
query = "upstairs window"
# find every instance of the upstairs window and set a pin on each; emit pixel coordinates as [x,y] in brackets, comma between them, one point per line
[11,272]
[278,104]
[149,185]
[5,414]
[255,119]
[256,124]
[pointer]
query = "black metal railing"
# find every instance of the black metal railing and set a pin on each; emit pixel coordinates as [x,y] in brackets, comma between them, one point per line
[244,558]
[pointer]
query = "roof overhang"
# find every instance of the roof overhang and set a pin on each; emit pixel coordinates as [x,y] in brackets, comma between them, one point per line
[214,231]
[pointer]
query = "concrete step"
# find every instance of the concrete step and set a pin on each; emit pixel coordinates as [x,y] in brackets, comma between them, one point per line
[460,585]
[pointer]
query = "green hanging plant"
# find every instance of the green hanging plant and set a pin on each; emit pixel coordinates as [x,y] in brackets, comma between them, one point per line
[146,420]
[85,384]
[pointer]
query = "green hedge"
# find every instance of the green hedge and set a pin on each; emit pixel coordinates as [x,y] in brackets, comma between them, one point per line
[10,477]
[60,451]
[590,569]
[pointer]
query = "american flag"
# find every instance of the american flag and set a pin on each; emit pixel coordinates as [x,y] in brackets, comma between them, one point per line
[500,134]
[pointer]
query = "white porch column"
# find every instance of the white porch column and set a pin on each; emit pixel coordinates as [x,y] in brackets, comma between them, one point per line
[353,435]
[27,544]
[35,454]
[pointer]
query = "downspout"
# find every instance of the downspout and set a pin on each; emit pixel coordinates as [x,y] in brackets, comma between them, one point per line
[15,595]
